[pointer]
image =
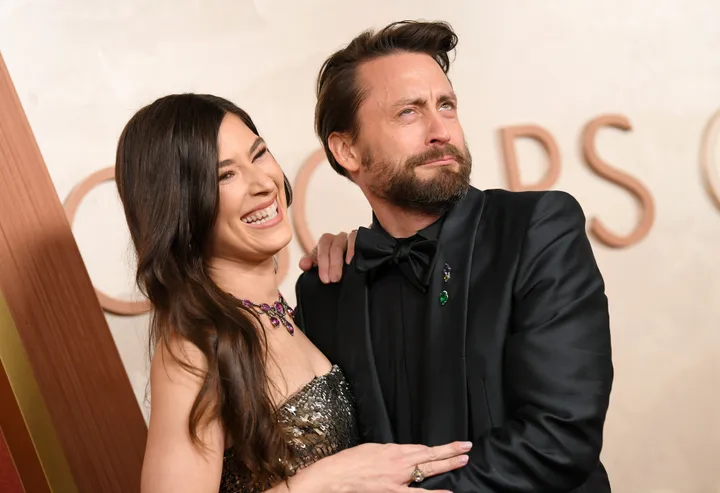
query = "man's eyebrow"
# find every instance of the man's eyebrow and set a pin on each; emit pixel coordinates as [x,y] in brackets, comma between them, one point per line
[410,102]
[450,96]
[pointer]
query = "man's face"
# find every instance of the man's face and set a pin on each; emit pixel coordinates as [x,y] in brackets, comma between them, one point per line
[410,142]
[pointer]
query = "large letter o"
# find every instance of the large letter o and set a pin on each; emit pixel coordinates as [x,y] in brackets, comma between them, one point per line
[108,303]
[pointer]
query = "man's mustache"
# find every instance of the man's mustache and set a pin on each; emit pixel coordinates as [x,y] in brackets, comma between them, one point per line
[436,153]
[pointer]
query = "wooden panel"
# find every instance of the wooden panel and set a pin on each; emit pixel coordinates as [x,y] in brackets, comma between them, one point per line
[23,466]
[59,320]
[9,477]
[24,418]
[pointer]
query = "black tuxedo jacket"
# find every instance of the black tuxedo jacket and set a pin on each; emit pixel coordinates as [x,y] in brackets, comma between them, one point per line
[519,358]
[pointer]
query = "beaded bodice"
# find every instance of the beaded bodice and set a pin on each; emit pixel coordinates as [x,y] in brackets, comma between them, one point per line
[318,420]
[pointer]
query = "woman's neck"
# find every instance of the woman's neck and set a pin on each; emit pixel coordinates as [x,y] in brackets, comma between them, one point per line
[253,282]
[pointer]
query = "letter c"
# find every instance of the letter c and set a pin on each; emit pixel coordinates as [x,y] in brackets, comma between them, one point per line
[107,302]
[708,164]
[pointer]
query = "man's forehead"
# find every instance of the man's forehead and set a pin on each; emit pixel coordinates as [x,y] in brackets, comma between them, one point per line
[403,75]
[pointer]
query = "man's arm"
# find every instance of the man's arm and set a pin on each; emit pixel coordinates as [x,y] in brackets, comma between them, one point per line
[298,311]
[558,366]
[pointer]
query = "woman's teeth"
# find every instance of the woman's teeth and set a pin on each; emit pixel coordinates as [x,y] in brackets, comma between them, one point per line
[263,215]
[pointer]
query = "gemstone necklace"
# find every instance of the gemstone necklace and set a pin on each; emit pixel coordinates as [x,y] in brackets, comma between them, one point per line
[277,312]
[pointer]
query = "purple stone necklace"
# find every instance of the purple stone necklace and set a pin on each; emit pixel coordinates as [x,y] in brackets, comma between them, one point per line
[277,312]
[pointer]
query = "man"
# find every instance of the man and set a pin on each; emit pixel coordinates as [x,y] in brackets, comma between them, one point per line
[463,314]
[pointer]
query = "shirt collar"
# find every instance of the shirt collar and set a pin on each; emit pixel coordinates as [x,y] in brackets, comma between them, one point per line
[431,232]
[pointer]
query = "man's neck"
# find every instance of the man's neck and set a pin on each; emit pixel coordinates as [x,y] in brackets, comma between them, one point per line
[401,223]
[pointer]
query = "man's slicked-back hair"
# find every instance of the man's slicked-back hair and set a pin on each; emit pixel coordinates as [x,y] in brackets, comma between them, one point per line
[339,94]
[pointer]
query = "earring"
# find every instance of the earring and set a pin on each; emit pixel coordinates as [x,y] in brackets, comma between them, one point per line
[275,264]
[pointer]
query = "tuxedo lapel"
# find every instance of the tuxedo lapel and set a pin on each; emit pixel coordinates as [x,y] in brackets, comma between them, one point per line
[358,362]
[445,379]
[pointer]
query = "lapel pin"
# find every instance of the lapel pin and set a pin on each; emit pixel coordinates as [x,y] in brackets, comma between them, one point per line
[446,273]
[444,297]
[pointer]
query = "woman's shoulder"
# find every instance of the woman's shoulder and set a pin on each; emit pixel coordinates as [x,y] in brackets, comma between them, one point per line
[177,362]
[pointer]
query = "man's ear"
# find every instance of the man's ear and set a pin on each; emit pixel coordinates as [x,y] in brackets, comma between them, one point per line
[344,152]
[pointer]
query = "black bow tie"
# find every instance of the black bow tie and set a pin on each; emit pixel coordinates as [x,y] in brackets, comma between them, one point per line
[414,256]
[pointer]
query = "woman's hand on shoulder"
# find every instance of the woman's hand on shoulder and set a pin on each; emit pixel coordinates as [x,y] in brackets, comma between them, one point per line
[173,462]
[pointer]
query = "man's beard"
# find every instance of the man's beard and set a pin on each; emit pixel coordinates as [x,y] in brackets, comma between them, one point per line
[400,186]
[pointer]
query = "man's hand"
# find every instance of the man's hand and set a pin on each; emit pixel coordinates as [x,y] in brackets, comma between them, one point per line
[329,254]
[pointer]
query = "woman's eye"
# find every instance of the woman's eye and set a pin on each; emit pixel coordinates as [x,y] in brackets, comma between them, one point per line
[260,153]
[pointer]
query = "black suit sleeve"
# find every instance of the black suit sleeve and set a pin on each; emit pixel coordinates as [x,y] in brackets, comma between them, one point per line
[298,312]
[558,366]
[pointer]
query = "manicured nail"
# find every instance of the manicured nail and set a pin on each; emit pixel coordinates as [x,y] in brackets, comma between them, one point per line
[466,445]
[463,459]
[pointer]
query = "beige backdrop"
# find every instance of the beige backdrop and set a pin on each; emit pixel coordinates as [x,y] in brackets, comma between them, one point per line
[83,67]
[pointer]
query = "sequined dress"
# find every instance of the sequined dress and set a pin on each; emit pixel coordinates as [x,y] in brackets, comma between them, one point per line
[318,419]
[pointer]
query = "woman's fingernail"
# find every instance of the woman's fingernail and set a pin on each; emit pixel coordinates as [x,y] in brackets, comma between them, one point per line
[463,459]
[466,445]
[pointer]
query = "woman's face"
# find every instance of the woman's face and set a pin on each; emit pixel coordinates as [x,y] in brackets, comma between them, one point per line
[252,223]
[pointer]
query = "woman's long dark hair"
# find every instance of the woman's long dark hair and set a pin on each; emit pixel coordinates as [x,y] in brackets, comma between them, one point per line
[166,174]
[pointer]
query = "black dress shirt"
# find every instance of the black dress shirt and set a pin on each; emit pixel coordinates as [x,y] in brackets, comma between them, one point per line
[397,328]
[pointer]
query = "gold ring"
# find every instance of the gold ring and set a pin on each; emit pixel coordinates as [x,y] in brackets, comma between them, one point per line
[417,475]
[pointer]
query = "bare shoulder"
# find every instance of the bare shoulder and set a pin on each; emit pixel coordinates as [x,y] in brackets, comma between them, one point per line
[177,376]
[178,363]
[173,461]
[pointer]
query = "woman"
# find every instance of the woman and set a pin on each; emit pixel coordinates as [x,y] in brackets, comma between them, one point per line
[241,401]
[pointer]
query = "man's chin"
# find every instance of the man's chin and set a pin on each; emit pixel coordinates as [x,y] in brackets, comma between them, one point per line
[441,181]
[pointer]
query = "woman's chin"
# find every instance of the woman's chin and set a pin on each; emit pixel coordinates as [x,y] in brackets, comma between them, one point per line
[275,248]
